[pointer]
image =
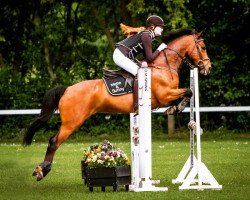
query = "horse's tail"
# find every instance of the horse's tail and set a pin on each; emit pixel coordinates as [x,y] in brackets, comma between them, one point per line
[49,106]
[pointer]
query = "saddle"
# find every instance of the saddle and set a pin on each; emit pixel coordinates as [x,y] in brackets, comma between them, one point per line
[118,82]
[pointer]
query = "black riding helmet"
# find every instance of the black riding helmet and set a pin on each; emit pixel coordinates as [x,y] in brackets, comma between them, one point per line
[154,20]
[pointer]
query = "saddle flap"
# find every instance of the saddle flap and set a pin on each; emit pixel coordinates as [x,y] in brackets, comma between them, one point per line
[115,73]
[118,82]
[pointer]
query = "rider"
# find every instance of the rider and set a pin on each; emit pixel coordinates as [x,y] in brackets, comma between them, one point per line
[141,42]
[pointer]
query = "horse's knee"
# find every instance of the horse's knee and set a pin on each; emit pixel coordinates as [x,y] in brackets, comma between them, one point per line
[188,93]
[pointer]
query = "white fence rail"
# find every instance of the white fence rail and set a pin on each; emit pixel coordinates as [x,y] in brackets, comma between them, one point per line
[214,109]
[160,110]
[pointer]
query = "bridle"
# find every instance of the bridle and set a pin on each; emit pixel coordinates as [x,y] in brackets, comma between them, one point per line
[202,60]
[184,60]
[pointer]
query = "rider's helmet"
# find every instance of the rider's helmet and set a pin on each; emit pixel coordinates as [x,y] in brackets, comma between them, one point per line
[154,20]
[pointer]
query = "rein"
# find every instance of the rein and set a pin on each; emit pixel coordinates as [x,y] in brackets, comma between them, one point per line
[185,60]
[168,64]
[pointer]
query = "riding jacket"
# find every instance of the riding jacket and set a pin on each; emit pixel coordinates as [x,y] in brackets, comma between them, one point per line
[139,43]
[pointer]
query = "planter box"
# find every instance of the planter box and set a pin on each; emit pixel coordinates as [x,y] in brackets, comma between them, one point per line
[106,176]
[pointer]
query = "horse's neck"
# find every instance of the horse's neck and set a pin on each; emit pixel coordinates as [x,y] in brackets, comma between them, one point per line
[174,54]
[181,45]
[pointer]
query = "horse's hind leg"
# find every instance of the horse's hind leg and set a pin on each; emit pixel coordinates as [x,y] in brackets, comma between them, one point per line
[44,168]
[69,125]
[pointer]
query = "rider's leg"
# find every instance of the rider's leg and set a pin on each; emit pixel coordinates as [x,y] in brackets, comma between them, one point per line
[124,62]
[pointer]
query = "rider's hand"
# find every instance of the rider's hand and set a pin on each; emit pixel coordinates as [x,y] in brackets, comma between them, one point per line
[144,64]
[162,46]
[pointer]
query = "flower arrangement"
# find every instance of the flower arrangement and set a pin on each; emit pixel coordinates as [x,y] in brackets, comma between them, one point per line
[104,155]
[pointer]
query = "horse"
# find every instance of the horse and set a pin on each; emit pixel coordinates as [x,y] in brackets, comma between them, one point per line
[78,102]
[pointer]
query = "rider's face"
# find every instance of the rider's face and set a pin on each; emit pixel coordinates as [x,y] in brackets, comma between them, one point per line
[158,30]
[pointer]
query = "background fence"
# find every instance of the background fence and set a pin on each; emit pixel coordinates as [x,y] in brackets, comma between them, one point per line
[160,110]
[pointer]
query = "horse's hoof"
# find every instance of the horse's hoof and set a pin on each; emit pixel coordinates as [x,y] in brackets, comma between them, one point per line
[170,111]
[38,172]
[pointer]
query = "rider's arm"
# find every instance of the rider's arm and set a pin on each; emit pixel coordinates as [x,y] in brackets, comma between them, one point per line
[147,45]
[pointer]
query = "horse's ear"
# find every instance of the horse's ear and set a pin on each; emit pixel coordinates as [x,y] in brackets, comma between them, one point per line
[200,34]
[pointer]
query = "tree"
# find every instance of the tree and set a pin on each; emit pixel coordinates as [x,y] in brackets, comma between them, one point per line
[46,42]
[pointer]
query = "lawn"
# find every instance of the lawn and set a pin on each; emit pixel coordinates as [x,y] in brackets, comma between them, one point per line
[228,161]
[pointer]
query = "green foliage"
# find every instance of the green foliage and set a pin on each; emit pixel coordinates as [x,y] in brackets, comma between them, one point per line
[48,43]
[174,13]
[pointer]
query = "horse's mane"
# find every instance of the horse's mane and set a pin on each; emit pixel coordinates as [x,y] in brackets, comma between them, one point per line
[172,35]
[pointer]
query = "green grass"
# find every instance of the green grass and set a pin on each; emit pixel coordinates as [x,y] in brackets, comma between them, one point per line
[228,161]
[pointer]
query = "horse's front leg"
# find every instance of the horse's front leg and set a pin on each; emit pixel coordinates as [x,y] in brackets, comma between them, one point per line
[186,94]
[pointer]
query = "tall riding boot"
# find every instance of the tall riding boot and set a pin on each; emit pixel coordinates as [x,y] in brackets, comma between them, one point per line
[135,87]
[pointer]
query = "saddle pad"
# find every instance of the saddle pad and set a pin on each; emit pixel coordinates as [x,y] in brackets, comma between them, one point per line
[115,86]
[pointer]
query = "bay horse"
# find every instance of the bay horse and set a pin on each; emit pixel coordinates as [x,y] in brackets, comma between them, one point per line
[78,102]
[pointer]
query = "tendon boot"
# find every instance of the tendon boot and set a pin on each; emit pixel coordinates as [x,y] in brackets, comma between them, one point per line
[135,88]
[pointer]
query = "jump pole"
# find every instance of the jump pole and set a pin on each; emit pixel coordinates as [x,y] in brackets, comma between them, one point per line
[134,144]
[195,174]
[141,138]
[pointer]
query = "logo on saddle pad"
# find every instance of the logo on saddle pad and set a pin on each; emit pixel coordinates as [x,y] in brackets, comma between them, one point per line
[117,86]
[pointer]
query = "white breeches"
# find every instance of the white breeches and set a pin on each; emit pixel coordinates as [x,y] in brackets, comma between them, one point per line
[124,62]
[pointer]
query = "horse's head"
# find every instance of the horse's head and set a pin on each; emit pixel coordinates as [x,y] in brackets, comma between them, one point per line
[198,54]
[187,43]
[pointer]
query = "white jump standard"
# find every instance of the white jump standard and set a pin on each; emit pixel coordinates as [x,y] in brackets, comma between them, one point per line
[141,139]
[195,174]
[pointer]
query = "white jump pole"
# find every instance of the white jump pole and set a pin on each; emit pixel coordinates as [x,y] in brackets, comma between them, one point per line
[134,144]
[143,181]
[194,174]
[145,159]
